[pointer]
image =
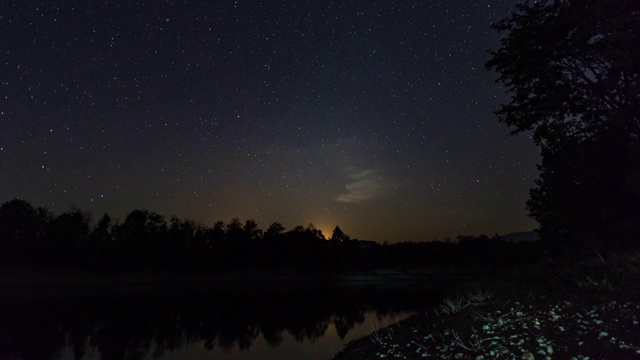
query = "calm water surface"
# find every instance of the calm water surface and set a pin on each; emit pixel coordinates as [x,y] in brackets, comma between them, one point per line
[266,321]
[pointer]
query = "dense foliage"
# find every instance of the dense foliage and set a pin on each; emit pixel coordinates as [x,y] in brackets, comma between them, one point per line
[34,237]
[572,68]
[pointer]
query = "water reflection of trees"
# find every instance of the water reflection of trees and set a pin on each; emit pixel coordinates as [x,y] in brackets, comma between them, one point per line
[131,326]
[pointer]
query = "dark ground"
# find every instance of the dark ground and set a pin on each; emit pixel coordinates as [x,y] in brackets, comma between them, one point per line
[589,310]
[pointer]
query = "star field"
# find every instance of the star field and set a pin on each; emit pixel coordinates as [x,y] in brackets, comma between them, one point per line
[374,116]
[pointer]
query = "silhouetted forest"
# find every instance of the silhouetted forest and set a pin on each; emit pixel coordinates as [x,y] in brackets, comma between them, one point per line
[146,241]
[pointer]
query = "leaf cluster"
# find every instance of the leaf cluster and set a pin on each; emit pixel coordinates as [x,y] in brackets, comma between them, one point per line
[571,68]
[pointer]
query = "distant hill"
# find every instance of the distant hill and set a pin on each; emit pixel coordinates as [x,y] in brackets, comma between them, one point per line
[520,236]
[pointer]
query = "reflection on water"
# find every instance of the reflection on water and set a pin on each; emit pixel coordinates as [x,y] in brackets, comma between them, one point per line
[230,322]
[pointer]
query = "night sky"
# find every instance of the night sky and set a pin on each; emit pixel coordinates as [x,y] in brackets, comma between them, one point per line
[376,116]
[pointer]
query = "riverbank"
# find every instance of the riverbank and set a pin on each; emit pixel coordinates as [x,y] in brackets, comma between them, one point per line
[570,311]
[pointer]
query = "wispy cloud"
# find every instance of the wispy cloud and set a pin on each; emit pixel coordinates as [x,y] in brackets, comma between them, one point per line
[362,186]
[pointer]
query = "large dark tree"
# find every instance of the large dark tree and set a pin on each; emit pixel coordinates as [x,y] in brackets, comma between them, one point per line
[572,68]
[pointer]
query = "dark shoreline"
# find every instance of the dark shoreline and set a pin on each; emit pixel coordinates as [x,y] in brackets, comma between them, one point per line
[568,310]
[528,294]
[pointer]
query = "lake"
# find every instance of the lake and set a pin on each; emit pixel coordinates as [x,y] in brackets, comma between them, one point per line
[215,321]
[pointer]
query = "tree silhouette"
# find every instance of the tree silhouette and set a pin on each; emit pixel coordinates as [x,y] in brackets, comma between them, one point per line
[234,231]
[21,227]
[572,70]
[66,233]
[140,238]
[274,232]
[339,236]
[252,231]
[102,231]
[100,249]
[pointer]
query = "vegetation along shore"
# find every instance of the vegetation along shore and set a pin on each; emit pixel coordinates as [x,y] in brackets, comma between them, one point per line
[549,310]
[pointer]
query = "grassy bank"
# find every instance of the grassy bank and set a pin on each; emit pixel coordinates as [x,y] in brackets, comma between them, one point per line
[569,310]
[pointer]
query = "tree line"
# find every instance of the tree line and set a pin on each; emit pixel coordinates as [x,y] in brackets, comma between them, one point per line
[145,240]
